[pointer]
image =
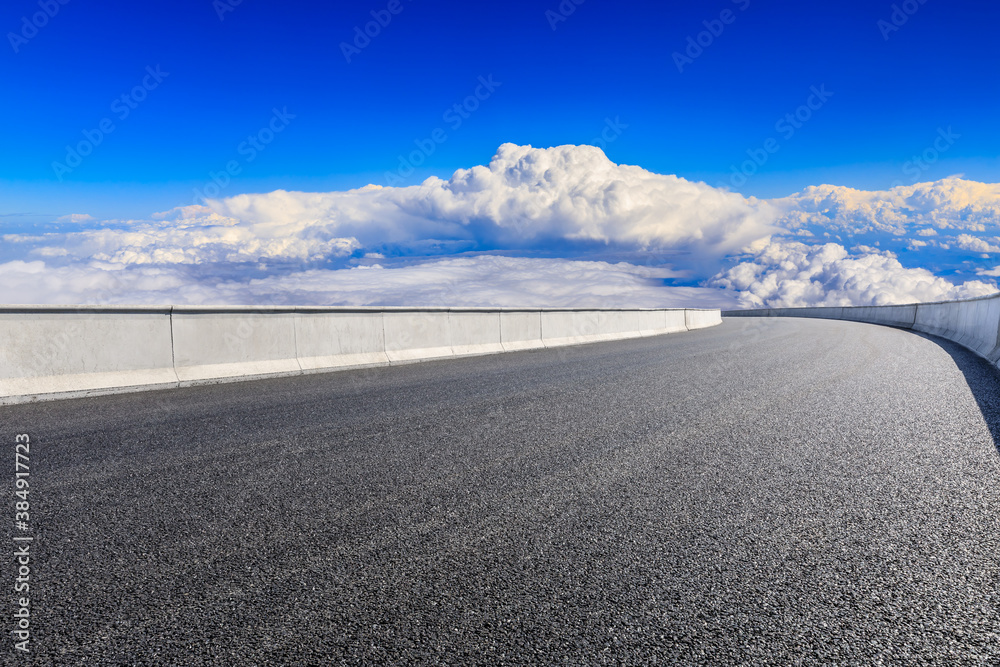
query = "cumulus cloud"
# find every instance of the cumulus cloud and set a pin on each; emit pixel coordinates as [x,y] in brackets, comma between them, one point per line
[566,203]
[791,274]
[525,198]
[568,197]
[951,203]
[976,244]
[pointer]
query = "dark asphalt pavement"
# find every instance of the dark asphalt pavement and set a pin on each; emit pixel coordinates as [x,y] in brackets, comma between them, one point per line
[763,492]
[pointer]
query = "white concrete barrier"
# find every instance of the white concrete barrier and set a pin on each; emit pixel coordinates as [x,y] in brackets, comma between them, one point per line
[413,335]
[86,349]
[652,322]
[659,322]
[897,316]
[326,340]
[570,327]
[972,323]
[474,333]
[675,321]
[521,330]
[618,324]
[233,342]
[54,352]
[828,313]
[700,319]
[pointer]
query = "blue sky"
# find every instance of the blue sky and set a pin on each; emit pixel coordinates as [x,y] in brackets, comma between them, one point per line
[605,60]
[121,114]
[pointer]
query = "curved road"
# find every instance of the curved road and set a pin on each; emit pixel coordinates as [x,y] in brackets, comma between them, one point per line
[764,492]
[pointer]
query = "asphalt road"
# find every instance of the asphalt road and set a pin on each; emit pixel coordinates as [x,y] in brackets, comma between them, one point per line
[763,492]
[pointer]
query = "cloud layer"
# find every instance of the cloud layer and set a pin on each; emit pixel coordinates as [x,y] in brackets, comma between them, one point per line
[526,198]
[468,281]
[790,274]
[576,229]
[950,226]
[949,205]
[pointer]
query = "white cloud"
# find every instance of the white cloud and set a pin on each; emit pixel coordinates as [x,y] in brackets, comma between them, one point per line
[193,235]
[493,281]
[36,282]
[526,198]
[794,274]
[570,197]
[468,281]
[197,235]
[567,201]
[76,218]
[951,203]
[975,244]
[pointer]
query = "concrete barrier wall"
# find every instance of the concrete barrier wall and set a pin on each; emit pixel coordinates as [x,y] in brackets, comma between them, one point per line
[676,320]
[233,343]
[474,333]
[897,316]
[652,322]
[53,352]
[616,324]
[973,323]
[570,327]
[700,319]
[521,331]
[414,335]
[326,341]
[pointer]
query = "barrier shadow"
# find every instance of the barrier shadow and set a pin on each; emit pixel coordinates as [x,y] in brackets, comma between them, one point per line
[982,377]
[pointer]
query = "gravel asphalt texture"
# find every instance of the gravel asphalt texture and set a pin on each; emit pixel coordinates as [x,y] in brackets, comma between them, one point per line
[770,491]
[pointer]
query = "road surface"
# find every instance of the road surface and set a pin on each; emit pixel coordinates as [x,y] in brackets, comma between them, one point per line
[772,491]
